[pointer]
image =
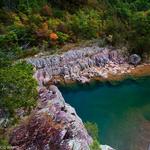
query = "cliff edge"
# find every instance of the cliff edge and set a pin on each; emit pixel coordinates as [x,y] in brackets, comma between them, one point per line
[53,125]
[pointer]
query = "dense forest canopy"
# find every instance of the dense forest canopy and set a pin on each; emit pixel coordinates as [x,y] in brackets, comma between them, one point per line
[27,23]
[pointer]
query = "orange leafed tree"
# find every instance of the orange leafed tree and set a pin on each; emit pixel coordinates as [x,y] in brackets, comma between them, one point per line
[53,36]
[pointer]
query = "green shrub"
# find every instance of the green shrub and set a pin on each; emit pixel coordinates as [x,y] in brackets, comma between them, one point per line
[53,23]
[62,37]
[17,87]
[8,39]
[20,35]
[117,29]
[95,145]
[140,5]
[4,143]
[17,41]
[24,34]
[5,60]
[36,18]
[28,6]
[139,38]
[86,24]
[29,52]
[92,129]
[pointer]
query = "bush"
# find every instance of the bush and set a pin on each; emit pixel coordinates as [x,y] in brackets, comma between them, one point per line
[139,38]
[17,35]
[117,29]
[5,59]
[53,23]
[86,24]
[95,145]
[62,37]
[4,143]
[8,39]
[16,42]
[92,129]
[17,87]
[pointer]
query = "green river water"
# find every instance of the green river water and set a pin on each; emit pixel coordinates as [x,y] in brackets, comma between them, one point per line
[121,111]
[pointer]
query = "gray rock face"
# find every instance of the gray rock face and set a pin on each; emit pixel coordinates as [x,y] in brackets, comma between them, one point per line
[77,65]
[54,125]
[135,59]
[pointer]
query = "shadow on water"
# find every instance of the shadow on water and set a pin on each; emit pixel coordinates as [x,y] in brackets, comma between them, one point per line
[121,110]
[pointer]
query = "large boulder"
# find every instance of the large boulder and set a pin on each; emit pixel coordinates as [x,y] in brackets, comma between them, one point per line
[134,59]
[77,63]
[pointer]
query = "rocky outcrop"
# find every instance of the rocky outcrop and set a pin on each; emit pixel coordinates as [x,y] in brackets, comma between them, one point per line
[135,59]
[80,65]
[53,125]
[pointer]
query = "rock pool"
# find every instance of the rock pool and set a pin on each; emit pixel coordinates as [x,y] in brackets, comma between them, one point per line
[121,111]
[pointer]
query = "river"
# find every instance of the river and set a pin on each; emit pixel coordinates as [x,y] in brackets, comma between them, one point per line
[121,111]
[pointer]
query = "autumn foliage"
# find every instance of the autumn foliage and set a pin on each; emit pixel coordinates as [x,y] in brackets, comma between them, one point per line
[53,36]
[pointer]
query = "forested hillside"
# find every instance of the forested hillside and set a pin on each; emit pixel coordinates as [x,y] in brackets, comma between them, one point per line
[27,26]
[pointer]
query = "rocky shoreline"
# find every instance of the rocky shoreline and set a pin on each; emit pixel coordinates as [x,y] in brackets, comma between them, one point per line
[54,124]
[83,65]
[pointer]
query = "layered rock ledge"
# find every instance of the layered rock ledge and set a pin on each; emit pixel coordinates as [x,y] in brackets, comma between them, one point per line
[83,65]
[53,125]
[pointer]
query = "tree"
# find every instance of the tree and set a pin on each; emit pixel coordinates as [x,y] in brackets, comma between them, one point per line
[139,38]
[17,87]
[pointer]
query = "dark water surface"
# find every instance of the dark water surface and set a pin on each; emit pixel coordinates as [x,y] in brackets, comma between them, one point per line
[122,111]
